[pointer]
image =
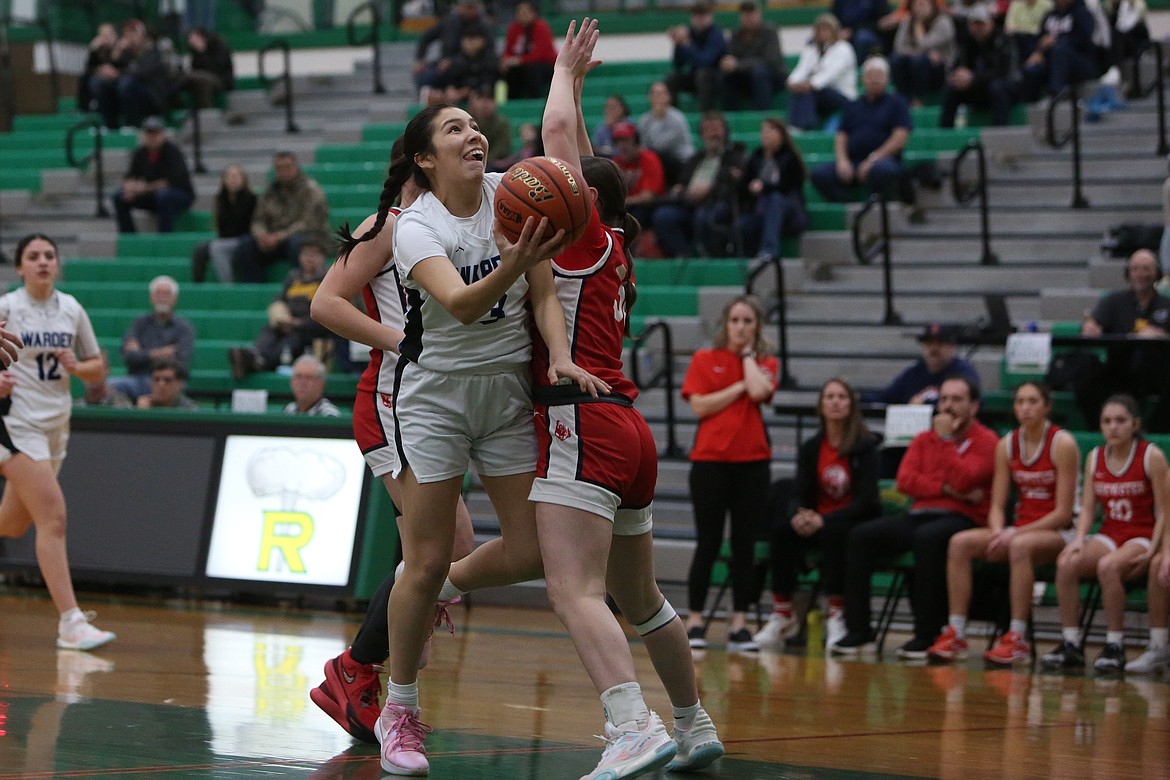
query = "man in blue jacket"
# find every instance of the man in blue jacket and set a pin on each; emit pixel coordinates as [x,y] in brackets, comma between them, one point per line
[920,381]
[1065,53]
[697,52]
[859,24]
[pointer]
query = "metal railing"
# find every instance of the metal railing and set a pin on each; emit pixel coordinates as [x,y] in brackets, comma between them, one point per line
[196,131]
[964,195]
[98,132]
[1158,85]
[786,379]
[664,377]
[285,77]
[880,246]
[375,9]
[1058,140]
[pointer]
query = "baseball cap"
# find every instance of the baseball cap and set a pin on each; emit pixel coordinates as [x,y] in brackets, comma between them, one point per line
[936,331]
[623,131]
[153,124]
[979,13]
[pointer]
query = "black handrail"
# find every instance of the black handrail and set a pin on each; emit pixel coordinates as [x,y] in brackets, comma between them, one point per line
[1158,85]
[665,376]
[964,195]
[865,255]
[786,379]
[375,9]
[286,77]
[95,128]
[196,131]
[1072,95]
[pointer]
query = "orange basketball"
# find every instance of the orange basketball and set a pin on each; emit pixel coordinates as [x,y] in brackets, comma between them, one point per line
[543,187]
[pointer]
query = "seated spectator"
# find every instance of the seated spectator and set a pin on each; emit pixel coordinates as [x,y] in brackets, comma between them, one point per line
[836,489]
[308,388]
[982,76]
[1130,34]
[1022,25]
[947,473]
[158,180]
[773,191]
[211,72]
[888,24]
[694,63]
[133,85]
[232,212]
[99,59]
[665,131]
[859,24]
[1065,53]
[752,70]
[290,331]
[159,334]
[924,47]
[475,68]
[99,393]
[616,111]
[430,71]
[824,80]
[703,199]
[292,207]
[919,382]
[1128,478]
[642,168]
[1039,463]
[529,53]
[167,380]
[868,145]
[494,125]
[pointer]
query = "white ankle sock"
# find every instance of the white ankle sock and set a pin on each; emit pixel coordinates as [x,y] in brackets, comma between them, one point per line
[1071,635]
[449,590]
[1159,638]
[1019,626]
[1114,637]
[624,703]
[70,615]
[402,695]
[959,623]
[684,717]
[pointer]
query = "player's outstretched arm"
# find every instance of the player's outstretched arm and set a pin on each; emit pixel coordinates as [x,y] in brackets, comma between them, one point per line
[559,126]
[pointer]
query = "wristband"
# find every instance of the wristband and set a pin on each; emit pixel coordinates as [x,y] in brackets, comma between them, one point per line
[748,354]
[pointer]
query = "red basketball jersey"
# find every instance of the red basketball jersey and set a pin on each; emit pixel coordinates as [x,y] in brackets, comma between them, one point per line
[589,279]
[385,303]
[1034,476]
[1127,497]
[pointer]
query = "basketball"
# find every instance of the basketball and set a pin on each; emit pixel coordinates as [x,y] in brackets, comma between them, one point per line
[543,187]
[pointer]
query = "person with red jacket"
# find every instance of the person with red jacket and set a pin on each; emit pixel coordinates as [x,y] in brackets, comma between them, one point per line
[529,53]
[947,472]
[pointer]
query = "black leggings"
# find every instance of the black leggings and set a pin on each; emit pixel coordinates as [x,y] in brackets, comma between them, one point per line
[789,548]
[716,489]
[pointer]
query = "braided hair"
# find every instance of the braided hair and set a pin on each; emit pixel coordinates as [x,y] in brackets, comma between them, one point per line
[603,175]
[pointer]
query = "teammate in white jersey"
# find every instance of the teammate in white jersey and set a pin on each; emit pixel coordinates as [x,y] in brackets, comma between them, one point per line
[58,342]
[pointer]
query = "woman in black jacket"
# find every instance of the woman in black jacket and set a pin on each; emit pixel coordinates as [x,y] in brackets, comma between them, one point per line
[235,203]
[211,70]
[836,488]
[773,190]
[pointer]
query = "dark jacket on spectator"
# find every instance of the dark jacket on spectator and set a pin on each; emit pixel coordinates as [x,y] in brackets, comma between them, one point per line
[987,60]
[853,14]
[758,47]
[149,68]
[167,164]
[864,465]
[448,32]
[233,213]
[788,165]
[704,51]
[1073,27]
[216,59]
[730,165]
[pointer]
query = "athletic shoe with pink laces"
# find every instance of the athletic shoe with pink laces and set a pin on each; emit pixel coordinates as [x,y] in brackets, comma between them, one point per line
[79,633]
[441,616]
[402,733]
[948,647]
[1010,649]
[350,695]
[632,752]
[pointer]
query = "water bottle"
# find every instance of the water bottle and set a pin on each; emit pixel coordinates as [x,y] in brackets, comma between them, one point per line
[815,624]
[961,117]
[1031,327]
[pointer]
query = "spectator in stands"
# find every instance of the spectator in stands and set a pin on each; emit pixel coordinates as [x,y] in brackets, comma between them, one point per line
[824,80]
[167,381]
[982,76]
[1065,53]
[133,85]
[474,68]
[496,128]
[772,191]
[947,473]
[158,180]
[859,24]
[1130,32]
[616,111]
[665,131]
[529,53]
[694,64]
[868,145]
[836,489]
[919,383]
[430,72]
[232,212]
[643,171]
[1022,25]
[1038,462]
[100,54]
[924,47]
[1129,479]
[730,461]
[150,337]
[888,24]
[701,208]
[290,331]
[753,67]
[211,72]
[308,388]
[292,207]
[99,393]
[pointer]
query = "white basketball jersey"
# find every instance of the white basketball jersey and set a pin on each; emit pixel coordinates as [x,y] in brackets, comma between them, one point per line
[383,298]
[435,339]
[41,395]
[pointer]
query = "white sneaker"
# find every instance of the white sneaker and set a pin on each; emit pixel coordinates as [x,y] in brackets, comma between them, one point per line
[698,746]
[629,753]
[835,629]
[1151,661]
[80,634]
[776,630]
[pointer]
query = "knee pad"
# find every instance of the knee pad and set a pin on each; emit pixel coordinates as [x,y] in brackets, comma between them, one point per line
[664,615]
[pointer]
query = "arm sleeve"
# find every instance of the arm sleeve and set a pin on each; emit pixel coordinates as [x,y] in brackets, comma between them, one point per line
[866,499]
[87,343]
[653,177]
[806,473]
[414,242]
[185,345]
[542,49]
[915,478]
[699,376]
[137,361]
[803,66]
[975,467]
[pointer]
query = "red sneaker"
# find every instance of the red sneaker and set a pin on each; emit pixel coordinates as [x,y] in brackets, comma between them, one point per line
[948,647]
[1009,650]
[349,695]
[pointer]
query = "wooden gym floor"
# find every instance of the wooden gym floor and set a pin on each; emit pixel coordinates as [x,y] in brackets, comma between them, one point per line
[212,691]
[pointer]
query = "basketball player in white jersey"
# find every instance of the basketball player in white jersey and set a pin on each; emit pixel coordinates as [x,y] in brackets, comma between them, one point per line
[58,342]
[351,691]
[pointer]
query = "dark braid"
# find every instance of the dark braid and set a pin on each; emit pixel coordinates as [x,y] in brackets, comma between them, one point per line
[603,175]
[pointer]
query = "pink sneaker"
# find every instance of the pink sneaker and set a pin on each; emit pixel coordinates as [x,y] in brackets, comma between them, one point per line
[441,616]
[401,734]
